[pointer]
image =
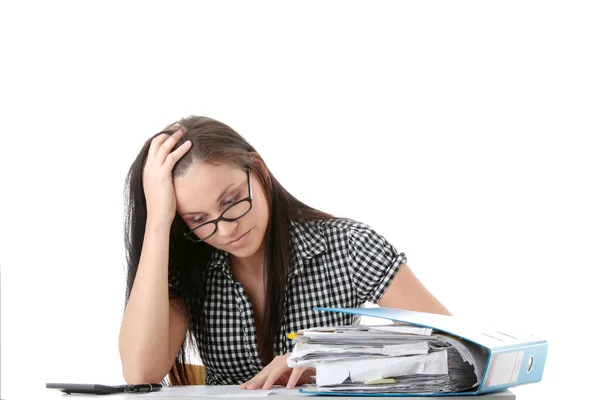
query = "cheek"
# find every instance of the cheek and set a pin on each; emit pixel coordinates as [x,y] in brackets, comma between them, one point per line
[212,242]
[262,211]
[189,225]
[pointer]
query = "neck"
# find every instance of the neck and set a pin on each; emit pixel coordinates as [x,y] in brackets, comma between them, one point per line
[253,263]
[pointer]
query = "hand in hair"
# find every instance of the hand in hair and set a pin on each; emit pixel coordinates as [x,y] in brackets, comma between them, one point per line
[278,373]
[158,176]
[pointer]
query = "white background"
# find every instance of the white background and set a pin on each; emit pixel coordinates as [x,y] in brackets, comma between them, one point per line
[465,132]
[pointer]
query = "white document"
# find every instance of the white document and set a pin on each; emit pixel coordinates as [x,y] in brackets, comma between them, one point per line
[227,391]
[471,353]
[361,370]
[318,352]
[415,330]
[367,330]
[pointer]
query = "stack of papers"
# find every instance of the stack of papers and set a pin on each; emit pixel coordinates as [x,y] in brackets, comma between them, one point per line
[387,359]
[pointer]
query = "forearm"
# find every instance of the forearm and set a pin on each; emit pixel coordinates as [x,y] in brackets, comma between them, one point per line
[144,336]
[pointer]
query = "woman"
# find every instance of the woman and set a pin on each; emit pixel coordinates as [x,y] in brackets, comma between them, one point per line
[220,254]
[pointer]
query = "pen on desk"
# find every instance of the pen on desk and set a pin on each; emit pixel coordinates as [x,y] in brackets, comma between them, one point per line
[144,388]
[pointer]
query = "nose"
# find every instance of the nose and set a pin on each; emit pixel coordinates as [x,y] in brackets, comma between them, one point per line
[227,228]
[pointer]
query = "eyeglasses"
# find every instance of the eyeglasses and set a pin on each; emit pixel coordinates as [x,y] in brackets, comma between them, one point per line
[232,213]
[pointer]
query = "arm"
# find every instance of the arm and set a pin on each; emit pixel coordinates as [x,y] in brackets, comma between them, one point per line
[408,293]
[153,328]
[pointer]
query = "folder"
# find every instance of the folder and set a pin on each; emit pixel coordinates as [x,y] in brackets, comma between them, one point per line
[505,359]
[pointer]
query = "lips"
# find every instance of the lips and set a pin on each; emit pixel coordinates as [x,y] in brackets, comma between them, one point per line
[236,239]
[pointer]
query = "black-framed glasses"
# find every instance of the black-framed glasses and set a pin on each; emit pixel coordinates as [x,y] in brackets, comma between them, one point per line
[232,213]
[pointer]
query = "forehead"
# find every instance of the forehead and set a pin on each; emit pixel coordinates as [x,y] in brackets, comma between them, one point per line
[202,184]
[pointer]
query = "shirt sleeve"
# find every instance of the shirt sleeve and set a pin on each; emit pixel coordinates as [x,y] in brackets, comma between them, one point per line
[374,262]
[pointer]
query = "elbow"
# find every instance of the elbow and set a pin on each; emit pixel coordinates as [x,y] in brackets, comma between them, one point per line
[142,370]
[141,376]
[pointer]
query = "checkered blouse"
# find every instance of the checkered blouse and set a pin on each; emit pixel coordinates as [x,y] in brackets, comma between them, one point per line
[336,263]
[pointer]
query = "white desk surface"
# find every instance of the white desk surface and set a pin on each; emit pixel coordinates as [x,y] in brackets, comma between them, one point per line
[55,394]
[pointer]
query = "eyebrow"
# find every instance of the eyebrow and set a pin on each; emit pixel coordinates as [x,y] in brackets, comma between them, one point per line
[218,200]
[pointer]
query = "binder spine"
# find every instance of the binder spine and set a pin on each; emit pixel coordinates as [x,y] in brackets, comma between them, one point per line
[515,365]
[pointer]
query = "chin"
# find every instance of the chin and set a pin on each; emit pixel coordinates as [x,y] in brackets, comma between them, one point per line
[246,252]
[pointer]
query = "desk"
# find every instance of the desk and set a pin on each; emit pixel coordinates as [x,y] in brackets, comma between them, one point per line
[291,395]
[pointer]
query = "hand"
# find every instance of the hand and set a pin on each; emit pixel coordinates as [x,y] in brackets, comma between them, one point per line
[158,176]
[278,373]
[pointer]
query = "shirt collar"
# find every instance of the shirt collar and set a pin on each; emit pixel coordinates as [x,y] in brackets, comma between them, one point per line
[308,240]
[218,258]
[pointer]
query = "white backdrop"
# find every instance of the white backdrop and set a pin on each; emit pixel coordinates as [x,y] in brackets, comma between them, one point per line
[465,132]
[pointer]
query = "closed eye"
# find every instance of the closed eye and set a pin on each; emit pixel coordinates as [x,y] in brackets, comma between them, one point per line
[198,220]
[231,200]
[224,205]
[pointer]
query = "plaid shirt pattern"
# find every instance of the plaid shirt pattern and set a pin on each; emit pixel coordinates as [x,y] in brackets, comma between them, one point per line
[335,263]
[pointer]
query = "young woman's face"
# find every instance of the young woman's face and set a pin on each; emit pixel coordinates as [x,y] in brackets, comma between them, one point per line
[206,190]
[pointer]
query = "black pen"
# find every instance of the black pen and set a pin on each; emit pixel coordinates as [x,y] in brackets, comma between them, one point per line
[143,388]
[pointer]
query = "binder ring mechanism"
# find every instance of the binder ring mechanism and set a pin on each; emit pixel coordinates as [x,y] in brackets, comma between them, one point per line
[530,363]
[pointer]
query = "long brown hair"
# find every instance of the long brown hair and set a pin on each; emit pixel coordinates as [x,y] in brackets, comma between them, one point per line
[213,141]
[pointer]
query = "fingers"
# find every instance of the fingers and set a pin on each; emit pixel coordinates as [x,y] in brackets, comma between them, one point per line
[252,383]
[175,155]
[269,376]
[167,145]
[160,139]
[275,373]
[266,378]
[259,380]
[156,143]
[296,374]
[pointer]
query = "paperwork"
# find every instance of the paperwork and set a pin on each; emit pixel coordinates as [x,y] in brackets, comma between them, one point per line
[387,359]
[226,391]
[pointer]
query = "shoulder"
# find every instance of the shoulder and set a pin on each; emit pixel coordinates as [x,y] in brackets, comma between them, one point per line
[333,233]
[331,226]
[357,238]
[346,230]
